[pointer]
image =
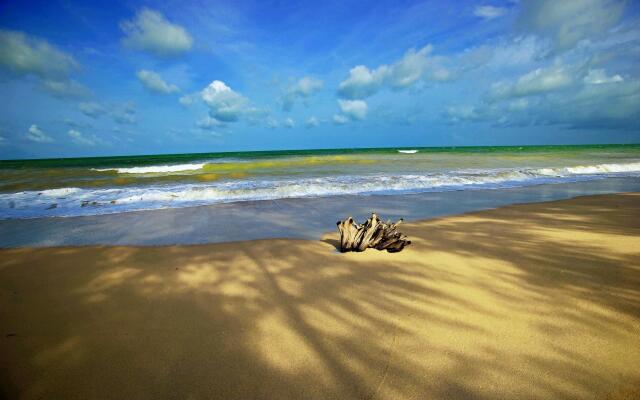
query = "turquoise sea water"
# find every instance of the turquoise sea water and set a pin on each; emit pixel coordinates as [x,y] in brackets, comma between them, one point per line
[103,185]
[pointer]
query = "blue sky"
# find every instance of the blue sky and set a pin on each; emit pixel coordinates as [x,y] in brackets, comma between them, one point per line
[81,78]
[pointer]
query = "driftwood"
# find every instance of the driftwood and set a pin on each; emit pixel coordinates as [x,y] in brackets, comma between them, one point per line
[374,233]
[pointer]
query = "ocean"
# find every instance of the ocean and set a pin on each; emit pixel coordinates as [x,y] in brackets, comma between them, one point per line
[110,185]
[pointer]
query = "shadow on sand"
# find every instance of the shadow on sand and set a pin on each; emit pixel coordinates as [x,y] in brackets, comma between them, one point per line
[496,304]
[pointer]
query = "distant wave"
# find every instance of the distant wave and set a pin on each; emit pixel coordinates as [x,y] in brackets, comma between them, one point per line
[408,151]
[154,169]
[90,201]
[233,165]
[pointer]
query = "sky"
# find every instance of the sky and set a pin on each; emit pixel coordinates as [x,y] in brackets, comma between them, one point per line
[90,78]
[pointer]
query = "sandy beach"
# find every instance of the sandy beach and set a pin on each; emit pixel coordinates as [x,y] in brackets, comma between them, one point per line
[534,301]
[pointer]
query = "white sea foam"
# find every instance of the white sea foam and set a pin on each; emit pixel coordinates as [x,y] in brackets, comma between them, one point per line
[87,201]
[58,192]
[591,169]
[155,169]
[408,151]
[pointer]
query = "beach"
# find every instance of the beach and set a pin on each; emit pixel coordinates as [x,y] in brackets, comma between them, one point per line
[536,301]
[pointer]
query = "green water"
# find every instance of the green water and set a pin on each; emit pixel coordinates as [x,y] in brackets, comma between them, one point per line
[84,186]
[142,160]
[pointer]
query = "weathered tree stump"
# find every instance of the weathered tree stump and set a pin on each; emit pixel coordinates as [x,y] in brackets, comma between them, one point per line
[374,233]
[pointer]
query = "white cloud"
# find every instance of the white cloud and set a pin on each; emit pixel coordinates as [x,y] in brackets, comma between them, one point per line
[305,87]
[271,122]
[124,113]
[75,124]
[518,104]
[151,32]
[354,109]
[78,138]
[614,104]
[224,104]
[209,123]
[340,119]
[538,81]
[25,54]
[65,88]
[189,99]
[362,82]
[599,76]
[462,113]
[410,68]
[489,12]
[407,71]
[154,82]
[500,55]
[289,123]
[124,118]
[568,22]
[521,50]
[35,134]
[91,109]
[312,122]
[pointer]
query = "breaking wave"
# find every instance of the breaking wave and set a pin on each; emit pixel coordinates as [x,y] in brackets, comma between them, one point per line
[74,201]
[154,169]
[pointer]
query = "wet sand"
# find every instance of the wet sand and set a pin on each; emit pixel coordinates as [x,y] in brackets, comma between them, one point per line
[296,218]
[537,301]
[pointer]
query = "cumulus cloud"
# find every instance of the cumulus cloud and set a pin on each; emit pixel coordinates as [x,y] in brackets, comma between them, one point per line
[340,119]
[538,81]
[124,114]
[312,122]
[289,123]
[91,109]
[413,66]
[271,122]
[75,124]
[518,51]
[35,134]
[462,113]
[362,82]
[595,100]
[498,55]
[28,55]
[121,113]
[224,104]
[25,54]
[353,109]
[124,118]
[613,105]
[189,99]
[518,104]
[154,82]
[78,138]
[209,123]
[568,22]
[599,76]
[151,32]
[410,68]
[489,12]
[65,88]
[304,88]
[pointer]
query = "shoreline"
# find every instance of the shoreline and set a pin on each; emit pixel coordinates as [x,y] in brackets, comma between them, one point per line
[514,302]
[298,218]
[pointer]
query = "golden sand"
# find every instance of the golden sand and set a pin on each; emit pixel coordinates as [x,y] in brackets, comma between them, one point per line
[538,301]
